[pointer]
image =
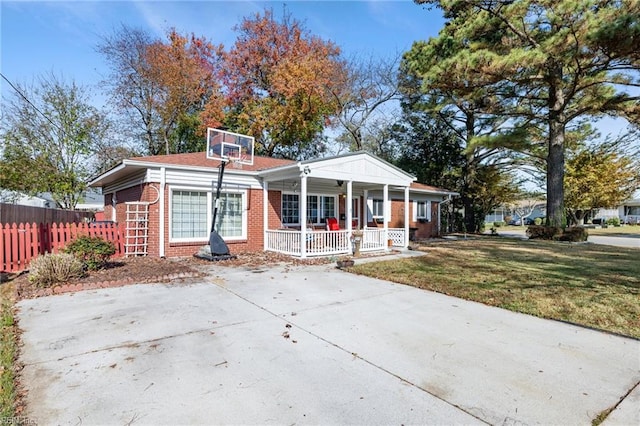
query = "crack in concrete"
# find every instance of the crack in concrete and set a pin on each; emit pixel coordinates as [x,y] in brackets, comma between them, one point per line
[354,354]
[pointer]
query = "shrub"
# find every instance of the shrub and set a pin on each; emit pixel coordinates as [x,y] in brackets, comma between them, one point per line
[498,224]
[543,232]
[50,269]
[574,234]
[613,221]
[93,252]
[537,221]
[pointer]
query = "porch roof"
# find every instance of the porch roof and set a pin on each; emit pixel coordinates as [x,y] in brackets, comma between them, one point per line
[356,166]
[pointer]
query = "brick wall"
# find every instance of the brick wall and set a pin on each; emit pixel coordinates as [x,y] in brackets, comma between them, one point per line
[422,230]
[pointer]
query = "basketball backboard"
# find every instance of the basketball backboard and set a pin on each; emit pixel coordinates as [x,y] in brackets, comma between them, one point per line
[228,146]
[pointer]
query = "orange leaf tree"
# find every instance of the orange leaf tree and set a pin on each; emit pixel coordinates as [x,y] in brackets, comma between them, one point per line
[186,70]
[279,81]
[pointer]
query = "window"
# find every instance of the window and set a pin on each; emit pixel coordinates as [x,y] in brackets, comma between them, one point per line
[378,209]
[422,210]
[229,218]
[191,213]
[189,216]
[312,209]
[290,209]
[319,207]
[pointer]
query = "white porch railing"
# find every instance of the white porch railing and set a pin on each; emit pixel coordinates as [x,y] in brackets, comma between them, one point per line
[318,243]
[328,243]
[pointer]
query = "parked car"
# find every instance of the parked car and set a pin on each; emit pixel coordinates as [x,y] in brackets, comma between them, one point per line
[516,222]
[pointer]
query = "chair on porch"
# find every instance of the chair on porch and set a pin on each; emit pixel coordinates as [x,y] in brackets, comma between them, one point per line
[332,224]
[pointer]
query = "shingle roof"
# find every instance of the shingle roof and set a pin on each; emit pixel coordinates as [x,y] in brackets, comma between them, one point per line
[199,159]
[423,187]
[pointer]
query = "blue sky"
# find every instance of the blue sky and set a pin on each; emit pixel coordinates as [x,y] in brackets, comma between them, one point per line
[60,36]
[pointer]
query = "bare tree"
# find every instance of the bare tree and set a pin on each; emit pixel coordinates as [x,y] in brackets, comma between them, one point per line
[365,99]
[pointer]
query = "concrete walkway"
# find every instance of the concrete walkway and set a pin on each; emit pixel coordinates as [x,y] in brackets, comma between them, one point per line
[313,345]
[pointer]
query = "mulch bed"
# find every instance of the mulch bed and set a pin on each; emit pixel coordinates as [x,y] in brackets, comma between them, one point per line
[141,270]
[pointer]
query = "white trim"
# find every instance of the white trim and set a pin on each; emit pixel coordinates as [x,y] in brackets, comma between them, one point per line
[406,217]
[414,212]
[163,184]
[209,192]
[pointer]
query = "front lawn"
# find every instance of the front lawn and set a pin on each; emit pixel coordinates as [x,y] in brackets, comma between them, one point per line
[592,285]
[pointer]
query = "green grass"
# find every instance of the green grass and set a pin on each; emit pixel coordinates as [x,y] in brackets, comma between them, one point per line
[613,231]
[8,353]
[591,285]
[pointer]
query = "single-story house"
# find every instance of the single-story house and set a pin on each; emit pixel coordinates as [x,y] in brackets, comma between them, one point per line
[166,203]
[628,212]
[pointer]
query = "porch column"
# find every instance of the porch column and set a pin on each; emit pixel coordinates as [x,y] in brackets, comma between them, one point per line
[303,216]
[349,206]
[406,217]
[385,214]
[364,215]
[265,213]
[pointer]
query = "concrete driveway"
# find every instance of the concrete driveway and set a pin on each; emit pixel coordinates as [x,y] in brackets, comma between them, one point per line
[313,345]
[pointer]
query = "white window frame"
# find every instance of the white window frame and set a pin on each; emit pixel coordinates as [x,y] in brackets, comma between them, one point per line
[210,197]
[242,192]
[320,198]
[416,216]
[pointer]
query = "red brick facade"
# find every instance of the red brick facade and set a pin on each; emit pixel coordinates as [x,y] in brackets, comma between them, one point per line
[255,232]
[419,229]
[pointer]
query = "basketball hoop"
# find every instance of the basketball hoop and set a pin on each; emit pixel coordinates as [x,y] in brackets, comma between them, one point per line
[225,147]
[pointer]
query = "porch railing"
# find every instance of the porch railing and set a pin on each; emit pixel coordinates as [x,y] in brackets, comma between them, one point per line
[328,243]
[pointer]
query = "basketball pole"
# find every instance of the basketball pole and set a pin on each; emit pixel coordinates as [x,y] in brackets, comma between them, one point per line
[218,190]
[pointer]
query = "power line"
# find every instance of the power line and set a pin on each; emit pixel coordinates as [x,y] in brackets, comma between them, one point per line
[30,103]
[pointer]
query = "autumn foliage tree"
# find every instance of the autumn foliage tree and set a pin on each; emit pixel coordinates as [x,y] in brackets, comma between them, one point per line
[599,176]
[185,70]
[167,89]
[278,79]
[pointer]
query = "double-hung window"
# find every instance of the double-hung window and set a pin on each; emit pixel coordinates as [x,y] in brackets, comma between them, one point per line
[377,209]
[422,210]
[290,209]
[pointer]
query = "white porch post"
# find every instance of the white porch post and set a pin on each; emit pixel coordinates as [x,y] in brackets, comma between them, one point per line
[349,206]
[406,217]
[385,214]
[364,215]
[163,185]
[265,213]
[303,216]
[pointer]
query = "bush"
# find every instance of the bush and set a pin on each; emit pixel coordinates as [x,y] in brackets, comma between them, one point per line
[498,224]
[50,269]
[93,252]
[543,232]
[537,221]
[574,234]
[614,221]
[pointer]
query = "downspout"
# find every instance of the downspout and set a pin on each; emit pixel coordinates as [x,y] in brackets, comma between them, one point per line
[163,184]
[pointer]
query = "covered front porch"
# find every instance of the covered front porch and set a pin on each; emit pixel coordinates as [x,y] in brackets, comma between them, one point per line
[353,190]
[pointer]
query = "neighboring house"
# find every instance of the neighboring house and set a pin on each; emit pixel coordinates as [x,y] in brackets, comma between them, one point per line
[628,212]
[523,209]
[166,204]
[18,198]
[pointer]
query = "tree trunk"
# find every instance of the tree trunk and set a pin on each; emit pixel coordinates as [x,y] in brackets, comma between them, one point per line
[555,158]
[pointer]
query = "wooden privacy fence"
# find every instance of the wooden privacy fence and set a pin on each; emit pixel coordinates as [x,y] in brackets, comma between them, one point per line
[21,243]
